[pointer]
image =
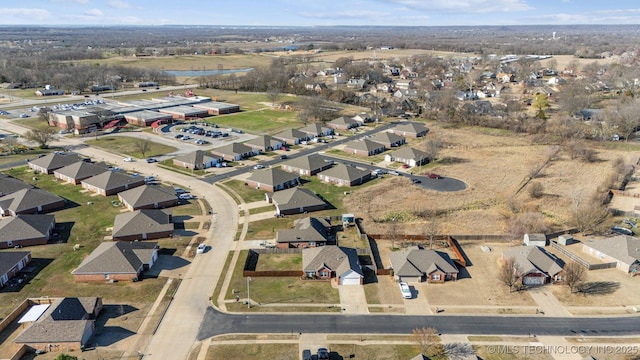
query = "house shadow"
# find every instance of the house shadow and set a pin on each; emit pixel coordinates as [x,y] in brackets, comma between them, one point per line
[25,275]
[333,355]
[370,276]
[165,262]
[599,287]
[181,218]
[183,232]
[68,204]
[463,273]
[61,232]
[110,335]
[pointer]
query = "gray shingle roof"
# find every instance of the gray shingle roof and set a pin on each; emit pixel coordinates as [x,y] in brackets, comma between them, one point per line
[291,134]
[197,157]
[409,153]
[344,120]
[344,172]
[10,184]
[315,129]
[142,221]
[27,199]
[305,229]
[81,170]
[533,259]
[118,257]
[295,198]
[311,163]
[24,227]
[55,161]
[622,247]
[233,149]
[337,258]
[412,127]
[387,137]
[364,145]
[272,177]
[148,195]
[112,179]
[263,142]
[417,262]
[9,259]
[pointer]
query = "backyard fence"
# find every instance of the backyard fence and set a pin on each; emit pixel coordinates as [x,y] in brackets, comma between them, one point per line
[580,260]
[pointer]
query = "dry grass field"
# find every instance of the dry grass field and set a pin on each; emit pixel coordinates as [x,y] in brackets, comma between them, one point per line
[495,165]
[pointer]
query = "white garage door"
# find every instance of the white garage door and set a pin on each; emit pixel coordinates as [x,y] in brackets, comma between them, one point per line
[533,280]
[351,281]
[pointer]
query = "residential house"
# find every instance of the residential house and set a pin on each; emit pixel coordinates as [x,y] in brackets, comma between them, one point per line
[265,143]
[535,240]
[409,156]
[344,175]
[117,261]
[418,265]
[143,224]
[505,78]
[272,179]
[358,84]
[332,262]
[535,266]
[364,147]
[235,152]
[78,171]
[11,262]
[383,88]
[363,118]
[49,92]
[292,136]
[410,129]
[306,165]
[295,201]
[316,87]
[623,250]
[66,325]
[10,184]
[48,163]
[149,197]
[197,160]
[389,139]
[111,182]
[26,230]
[404,84]
[343,123]
[29,201]
[316,130]
[339,78]
[306,232]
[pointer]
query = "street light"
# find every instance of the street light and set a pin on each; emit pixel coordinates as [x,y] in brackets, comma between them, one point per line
[248,293]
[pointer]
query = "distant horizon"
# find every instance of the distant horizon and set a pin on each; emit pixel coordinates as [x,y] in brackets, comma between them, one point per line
[308,13]
[305,26]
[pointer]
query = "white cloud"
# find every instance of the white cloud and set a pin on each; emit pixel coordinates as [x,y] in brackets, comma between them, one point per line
[119,4]
[31,13]
[464,6]
[93,12]
[346,14]
[75,1]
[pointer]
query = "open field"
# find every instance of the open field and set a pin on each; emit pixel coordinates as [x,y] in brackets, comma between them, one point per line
[248,194]
[187,62]
[495,166]
[252,351]
[264,121]
[128,146]
[279,262]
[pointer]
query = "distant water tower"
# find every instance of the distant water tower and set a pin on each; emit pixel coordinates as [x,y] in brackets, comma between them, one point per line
[554,35]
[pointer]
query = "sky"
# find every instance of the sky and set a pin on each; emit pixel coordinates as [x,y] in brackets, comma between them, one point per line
[319,12]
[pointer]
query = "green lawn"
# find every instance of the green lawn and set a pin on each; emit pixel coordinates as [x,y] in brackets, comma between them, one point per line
[266,229]
[253,351]
[248,194]
[128,146]
[387,352]
[261,210]
[34,122]
[259,122]
[80,223]
[279,262]
[168,164]
[289,290]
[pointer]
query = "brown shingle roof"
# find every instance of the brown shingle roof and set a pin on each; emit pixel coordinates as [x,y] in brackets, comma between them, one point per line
[117,257]
[142,221]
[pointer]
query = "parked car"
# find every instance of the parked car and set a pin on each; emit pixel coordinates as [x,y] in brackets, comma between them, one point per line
[621,230]
[185,196]
[151,160]
[306,354]
[284,157]
[179,191]
[179,136]
[201,249]
[257,167]
[394,173]
[23,116]
[434,176]
[416,181]
[405,166]
[323,354]
[149,178]
[405,290]
[127,159]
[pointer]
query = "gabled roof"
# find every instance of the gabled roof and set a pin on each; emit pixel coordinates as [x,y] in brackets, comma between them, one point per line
[412,127]
[387,137]
[622,247]
[311,162]
[141,221]
[197,157]
[9,259]
[113,179]
[534,259]
[409,153]
[272,177]
[25,227]
[345,172]
[55,161]
[26,199]
[417,262]
[148,194]
[364,145]
[119,257]
[315,129]
[336,258]
[344,120]
[305,229]
[81,170]
[234,149]
[291,134]
[264,141]
[10,184]
[295,198]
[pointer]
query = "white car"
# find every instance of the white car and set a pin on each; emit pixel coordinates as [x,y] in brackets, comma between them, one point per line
[405,290]
[186,196]
[257,167]
[201,249]
[127,159]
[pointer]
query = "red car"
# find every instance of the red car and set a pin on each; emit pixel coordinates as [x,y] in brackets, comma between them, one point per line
[434,176]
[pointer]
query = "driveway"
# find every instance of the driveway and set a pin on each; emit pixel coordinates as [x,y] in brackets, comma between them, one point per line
[352,299]
[418,305]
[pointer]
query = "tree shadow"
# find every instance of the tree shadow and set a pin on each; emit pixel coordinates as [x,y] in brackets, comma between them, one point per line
[599,288]
[459,351]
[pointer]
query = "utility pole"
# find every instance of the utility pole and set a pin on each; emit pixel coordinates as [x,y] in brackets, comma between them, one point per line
[248,293]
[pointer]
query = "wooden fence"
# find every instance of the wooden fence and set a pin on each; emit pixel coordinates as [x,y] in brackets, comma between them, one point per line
[580,260]
[274,273]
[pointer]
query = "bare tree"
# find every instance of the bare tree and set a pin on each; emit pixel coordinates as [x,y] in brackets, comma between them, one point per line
[41,136]
[393,229]
[536,189]
[428,341]
[432,227]
[11,143]
[574,275]
[526,223]
[274,95]
[432,147]
[143,146]
[509,273]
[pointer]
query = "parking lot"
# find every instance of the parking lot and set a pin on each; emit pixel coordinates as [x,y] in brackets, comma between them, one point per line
[204,134]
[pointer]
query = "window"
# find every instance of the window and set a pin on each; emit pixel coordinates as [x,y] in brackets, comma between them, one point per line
[435,277]
[324,273]
[106,276]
